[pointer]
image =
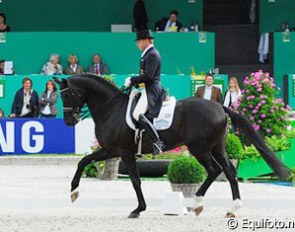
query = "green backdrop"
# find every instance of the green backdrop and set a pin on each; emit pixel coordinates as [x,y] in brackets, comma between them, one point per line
[179,51]
[91,15]
[274,12]
[179,86]
[284,57]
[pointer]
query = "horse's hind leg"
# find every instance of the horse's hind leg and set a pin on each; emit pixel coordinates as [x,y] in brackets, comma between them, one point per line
[231,174]
[99,155]
[130,162]
[213,170]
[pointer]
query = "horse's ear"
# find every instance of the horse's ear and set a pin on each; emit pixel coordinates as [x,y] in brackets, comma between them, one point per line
[57,81]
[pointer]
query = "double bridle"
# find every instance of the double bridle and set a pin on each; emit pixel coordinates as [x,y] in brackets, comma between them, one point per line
[75,109]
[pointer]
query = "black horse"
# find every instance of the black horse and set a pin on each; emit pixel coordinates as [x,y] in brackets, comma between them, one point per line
[199,124]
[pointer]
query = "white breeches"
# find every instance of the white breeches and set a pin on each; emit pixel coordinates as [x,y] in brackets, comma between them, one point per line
[142,105]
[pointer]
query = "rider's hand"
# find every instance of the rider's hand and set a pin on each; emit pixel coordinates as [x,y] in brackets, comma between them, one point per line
[127,83]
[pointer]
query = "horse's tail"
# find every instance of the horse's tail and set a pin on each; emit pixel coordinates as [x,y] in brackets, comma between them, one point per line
[276,165]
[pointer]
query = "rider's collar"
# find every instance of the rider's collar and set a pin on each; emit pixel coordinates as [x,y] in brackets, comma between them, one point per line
[145,50]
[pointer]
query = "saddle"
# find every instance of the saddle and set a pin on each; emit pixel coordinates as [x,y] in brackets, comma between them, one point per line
[162,122]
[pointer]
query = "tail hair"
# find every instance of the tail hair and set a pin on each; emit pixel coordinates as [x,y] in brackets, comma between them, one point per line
[256,139]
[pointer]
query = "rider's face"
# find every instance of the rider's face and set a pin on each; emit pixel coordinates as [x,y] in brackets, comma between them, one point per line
[142,44]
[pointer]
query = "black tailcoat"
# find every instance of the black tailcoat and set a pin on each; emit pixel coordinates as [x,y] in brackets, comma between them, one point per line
[150,70]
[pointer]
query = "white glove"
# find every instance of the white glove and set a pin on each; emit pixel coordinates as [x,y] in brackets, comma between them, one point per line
[127,83]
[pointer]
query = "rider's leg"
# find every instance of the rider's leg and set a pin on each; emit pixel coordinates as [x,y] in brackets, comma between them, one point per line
[138,114]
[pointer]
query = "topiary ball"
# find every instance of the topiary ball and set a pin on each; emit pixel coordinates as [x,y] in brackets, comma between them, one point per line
[185,170]
[234,147]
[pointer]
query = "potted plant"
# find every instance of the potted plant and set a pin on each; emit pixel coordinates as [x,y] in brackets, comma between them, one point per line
[185,175]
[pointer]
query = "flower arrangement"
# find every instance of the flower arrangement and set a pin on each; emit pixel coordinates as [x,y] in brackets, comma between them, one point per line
[267,114]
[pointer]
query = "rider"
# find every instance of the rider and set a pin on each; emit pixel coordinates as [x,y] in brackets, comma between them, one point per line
[152,92]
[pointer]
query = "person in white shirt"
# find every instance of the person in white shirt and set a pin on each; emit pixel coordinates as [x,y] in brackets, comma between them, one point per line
[73,67]
[233,92]
[52,67]
[208,91]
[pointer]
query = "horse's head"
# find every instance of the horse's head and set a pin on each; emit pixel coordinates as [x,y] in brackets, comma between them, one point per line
[72,101]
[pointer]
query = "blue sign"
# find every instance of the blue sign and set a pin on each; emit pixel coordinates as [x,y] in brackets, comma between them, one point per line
[36,136]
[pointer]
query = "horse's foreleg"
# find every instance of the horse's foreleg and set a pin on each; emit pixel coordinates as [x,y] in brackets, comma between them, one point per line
[130,162]
[99,155]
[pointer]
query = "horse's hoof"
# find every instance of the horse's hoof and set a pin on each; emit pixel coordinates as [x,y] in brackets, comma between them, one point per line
[74,195]
[198,210]
[230,215]
[133,215]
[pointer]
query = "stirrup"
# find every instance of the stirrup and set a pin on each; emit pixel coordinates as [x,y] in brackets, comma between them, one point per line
[158,147]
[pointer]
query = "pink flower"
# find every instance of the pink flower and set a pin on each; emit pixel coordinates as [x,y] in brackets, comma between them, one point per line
[259,89]
[262,116]
[254,111]
[252,118]
[268,130]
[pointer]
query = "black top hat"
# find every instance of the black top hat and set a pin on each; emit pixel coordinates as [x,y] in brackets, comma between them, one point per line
[146,34]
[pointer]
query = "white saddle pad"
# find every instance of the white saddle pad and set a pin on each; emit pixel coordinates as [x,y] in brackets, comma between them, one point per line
[165,118]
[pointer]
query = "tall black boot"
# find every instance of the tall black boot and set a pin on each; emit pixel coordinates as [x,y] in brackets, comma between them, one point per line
[152,133]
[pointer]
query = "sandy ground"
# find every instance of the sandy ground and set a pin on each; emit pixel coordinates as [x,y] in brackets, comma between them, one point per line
[36,198]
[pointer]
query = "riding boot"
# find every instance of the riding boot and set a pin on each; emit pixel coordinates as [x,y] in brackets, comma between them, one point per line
[152,133]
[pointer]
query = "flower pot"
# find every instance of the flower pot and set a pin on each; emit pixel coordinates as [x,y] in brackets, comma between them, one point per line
[147,168]
[110,169]
[188,190]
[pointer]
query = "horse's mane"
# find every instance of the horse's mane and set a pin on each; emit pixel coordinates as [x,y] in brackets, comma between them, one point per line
[94,78]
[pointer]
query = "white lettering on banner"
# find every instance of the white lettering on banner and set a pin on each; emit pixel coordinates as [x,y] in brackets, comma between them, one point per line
[26,137]
[7,145]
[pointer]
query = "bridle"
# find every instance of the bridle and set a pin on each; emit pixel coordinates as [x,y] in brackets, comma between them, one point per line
[75,109]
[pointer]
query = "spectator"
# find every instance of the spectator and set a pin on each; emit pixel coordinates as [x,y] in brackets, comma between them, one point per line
[3,26]
[2,62]
[233,92]
[98,67]
[209,92]
[25,103]
[169,24]
[73,68]
[48,101]
[140,16]
[52,67]
[2,115]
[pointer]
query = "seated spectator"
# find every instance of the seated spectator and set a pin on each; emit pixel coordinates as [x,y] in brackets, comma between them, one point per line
[208,91]
[233,92]
[2,62]
[98,67]
[3,26]
[25,103]
[52,67]
[2,115]
[73,68]
[169,24]
[48,101]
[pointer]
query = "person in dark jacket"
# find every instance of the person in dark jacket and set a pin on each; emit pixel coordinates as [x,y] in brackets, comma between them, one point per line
[25,104]
[148,81]
[169,24]
[140,16]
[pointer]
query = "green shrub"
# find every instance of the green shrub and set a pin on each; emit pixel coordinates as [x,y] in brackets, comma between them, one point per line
[234,147]
[278,143]
[292,177]
[250,152]
[185,170]
[91,170]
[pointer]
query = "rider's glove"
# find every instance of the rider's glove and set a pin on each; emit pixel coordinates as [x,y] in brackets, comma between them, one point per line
[127,83]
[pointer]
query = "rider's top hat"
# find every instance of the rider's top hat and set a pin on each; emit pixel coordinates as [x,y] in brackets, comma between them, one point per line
[146,34]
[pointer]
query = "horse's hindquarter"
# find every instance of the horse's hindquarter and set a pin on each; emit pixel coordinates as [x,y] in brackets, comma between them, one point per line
[199,120]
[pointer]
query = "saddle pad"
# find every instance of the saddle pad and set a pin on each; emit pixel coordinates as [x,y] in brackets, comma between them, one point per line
[165,118]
